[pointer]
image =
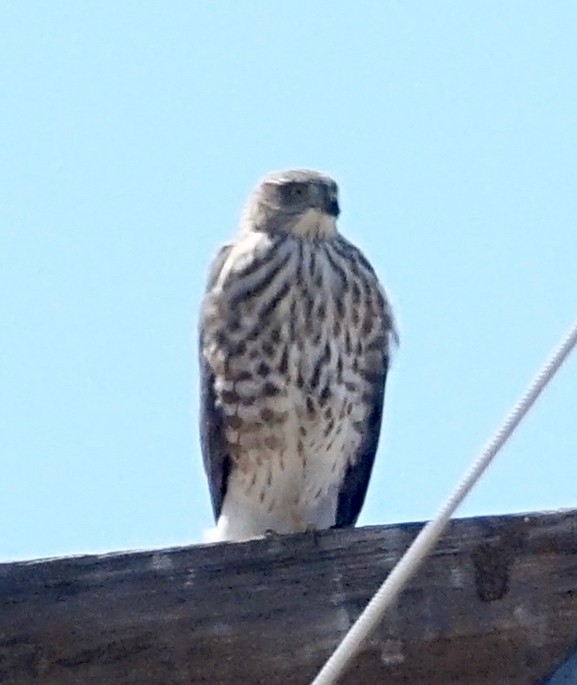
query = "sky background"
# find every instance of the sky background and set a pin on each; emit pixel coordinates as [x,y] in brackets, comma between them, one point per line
[131,133]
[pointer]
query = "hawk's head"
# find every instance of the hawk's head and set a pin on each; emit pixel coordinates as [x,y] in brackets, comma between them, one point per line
[300,202]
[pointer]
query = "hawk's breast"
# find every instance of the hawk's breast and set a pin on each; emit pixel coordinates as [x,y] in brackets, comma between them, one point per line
[295,333]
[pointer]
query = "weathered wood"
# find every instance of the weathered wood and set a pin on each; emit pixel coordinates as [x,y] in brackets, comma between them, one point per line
[496,604]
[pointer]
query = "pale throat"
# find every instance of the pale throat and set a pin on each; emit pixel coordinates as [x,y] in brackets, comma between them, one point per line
[314,223]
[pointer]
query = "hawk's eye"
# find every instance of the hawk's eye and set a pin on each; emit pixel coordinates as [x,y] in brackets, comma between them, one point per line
[294,192]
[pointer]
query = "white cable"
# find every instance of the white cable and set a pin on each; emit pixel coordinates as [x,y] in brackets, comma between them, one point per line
[410,562]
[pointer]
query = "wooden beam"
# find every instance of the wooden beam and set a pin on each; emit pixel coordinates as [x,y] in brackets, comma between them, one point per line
[495,604]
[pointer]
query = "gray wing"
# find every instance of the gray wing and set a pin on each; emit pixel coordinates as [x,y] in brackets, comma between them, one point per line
[356,479]
[214,449]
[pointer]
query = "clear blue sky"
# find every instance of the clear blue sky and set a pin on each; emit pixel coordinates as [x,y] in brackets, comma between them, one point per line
[130,134]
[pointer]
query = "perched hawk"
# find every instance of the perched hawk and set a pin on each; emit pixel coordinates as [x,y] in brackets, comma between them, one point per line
[295,336]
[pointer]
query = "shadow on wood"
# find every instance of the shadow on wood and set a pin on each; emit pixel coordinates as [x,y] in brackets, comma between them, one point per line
[495,604]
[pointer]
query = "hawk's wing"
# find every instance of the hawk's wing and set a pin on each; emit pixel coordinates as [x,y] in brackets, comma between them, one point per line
[214,448]
[356,479]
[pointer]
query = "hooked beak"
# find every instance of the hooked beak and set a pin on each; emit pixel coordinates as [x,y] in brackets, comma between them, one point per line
[331,204]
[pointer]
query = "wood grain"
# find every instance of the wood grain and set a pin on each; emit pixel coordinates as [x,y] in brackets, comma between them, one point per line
[496,604]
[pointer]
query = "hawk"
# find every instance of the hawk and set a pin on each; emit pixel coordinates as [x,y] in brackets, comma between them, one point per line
[295,339]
